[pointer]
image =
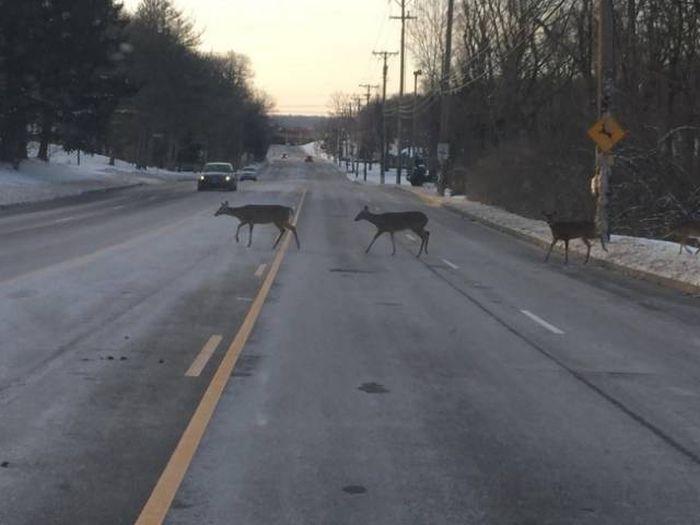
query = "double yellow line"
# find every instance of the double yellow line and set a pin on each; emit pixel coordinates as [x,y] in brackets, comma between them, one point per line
[158,504]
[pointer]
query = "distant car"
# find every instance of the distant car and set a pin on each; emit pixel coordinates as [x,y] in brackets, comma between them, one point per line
[309,158]
[248,173]
[284,155]
[217,175]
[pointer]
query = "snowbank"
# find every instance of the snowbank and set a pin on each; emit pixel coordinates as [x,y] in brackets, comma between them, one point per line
[62,176]
[651,259]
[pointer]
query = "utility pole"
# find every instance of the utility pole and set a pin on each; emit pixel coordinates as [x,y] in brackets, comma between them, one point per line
[358,136]
[443,157]
[368,95]
[606,87]
[416,74]
[385,55]
[402,79]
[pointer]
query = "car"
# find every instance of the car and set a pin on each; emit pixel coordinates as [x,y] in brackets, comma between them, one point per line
[217,175]
[284,155]
[309,158]
[248,173]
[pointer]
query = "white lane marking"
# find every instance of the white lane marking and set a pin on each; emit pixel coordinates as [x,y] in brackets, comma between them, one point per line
[66,219]
[543,323]
[245,299]
[410,237]
[203,357]
[260,270]
[451,265]
[119,207]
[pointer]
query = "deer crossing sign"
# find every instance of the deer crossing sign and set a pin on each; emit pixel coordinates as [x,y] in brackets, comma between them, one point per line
[606,133]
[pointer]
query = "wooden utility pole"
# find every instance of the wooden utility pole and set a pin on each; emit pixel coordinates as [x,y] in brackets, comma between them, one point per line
[385,55]
[606,87]
[368,95]
[402,79]
[445,102]
[416,74]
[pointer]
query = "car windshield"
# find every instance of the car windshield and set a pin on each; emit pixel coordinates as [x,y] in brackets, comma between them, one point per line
[218,168]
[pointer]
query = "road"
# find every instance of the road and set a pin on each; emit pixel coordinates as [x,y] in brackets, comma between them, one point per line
[475,385]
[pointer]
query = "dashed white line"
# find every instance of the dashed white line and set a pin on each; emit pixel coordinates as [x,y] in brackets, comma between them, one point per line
[203,357]
[119,207]
[65,219]
[542,322]
[451,265]
[410,237]
[260,270]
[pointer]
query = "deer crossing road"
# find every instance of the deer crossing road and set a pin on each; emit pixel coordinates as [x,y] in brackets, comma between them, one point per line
[365,380]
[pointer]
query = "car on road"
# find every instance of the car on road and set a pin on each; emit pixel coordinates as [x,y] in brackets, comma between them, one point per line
[248,173]
[217,175]
[309,158]
[284,155]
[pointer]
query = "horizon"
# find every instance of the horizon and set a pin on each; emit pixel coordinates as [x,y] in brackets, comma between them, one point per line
[309,66]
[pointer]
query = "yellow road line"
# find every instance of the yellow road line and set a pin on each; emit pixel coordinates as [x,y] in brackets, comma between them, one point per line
[203,357]
[158,504]
[260,270]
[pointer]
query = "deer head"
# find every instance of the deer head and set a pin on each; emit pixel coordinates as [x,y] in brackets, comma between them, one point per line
[364,214]
[222,209]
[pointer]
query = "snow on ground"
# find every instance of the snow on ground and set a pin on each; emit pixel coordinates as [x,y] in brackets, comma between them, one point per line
[62,176]
[637,255]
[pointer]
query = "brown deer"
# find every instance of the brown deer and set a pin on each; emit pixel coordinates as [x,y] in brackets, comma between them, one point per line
[261,214]
[684,232]
[397,221]
[568,230]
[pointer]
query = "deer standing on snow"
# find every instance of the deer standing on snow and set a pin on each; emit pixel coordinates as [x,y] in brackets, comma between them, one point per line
[684,232]
[397,221]
[568,230]
[261,214]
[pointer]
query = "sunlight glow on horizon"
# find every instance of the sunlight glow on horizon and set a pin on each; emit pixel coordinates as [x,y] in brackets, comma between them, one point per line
[303,51]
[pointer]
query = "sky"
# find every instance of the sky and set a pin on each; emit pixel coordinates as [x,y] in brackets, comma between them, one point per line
[302,51]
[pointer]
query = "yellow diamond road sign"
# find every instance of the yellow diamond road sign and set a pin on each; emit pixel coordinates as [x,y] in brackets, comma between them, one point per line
[606,133]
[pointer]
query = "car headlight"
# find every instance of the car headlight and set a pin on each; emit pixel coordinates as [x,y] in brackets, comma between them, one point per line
[228,178]
[201,177]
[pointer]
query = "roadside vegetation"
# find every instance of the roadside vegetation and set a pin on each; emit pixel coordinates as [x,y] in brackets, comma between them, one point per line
[87,75]
[523,93]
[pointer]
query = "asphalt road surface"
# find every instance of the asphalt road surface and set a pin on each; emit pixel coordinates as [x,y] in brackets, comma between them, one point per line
[475,385]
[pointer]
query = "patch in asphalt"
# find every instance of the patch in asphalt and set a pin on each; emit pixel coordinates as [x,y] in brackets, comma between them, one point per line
[246,365]
[373,388]
[350,270]
[354,489]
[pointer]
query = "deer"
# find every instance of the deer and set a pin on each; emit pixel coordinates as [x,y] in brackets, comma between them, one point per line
[684,232]
[397,221]
[251,214]
[568,230]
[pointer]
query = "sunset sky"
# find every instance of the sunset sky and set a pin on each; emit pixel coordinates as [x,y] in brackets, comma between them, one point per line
[303,50]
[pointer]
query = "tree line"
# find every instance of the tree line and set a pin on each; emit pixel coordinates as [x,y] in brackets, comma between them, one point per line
[522,94]
[88,75]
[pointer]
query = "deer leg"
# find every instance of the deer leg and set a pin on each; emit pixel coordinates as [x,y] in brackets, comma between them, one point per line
[250,234]
[393,244]
[279,236]
[588,251]
[602,243]
[293,229]
[566,251]
[374,239]
[240,225]
[549,252]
